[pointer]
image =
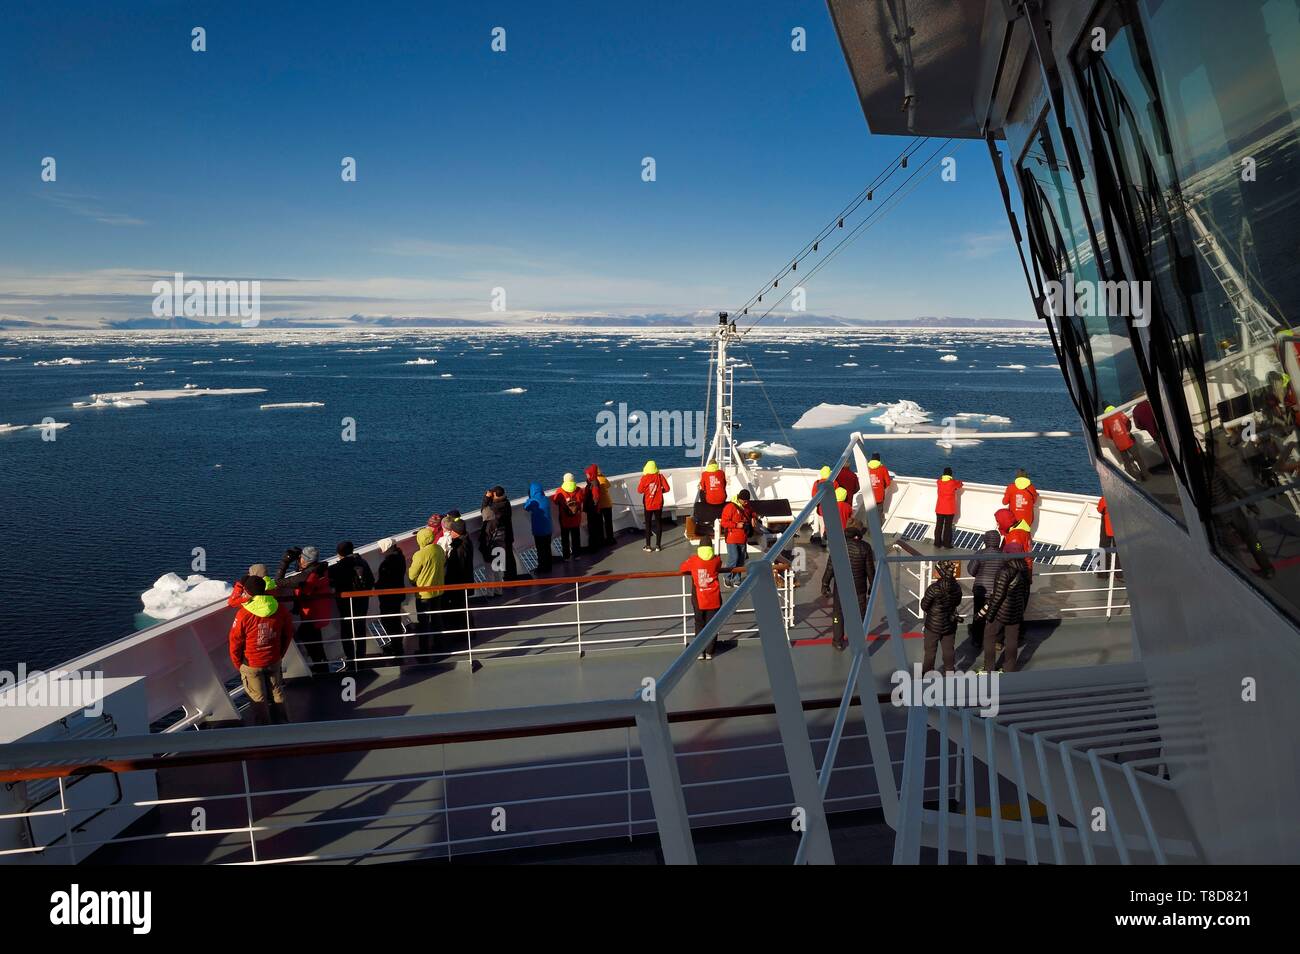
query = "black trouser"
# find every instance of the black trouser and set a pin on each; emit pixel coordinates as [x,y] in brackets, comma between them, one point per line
[658,517]
[943,530]
[430,622]
[456,600]
[309,635]
[570,540]
[1009,633]
[352,631]
[977,624]
[594,530]
[837,614]
[607,522]
[512,568]
[544,556]
[390,614]
[933,642]
[702,617]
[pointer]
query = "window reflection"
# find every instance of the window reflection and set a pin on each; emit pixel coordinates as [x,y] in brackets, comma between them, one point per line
[1199,128]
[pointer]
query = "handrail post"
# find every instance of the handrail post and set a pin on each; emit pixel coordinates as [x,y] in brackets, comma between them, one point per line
[469,632]
[577,609]
[686,637]
[1110,584]
[665,781]
[790,717]
[248,807]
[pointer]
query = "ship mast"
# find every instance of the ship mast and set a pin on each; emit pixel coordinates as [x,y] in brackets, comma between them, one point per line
[723,448]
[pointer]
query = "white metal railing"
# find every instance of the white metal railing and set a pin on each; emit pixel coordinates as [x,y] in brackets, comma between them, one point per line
[259,825]
[1090,738]
[1114,584]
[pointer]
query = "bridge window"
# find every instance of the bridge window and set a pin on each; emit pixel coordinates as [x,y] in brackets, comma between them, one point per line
[1196,135]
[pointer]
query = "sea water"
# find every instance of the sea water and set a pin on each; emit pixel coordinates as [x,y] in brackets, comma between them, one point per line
[375,431]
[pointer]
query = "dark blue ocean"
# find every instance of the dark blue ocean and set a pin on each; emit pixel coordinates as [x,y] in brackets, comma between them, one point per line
[125,494]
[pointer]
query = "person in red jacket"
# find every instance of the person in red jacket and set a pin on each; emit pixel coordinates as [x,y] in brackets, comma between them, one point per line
[818,522]
[737,523]
[849,480]
[713,484]
[259,637]
[1117,426]
[1107,540]
[945,509]
[1005,520]
[1020,536]
[652,488]
[568,500]
[1021,496]
[706,594]
[238,597]
[878,475]
[844,505]
[314,598]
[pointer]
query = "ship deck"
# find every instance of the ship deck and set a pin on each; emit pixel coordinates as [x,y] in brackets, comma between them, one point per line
[377,804]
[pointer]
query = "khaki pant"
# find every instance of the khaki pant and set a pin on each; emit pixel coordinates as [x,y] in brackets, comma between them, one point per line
[259,682]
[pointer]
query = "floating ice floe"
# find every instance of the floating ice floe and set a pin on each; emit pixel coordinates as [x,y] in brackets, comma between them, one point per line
[1012,367]
[132,359]
[444,375]
[769,449]
[63,362]
[189,390]
[171,596]
[950,444]
[948,357]
[268,407]
[422,361]
[53,425]
[849,364]
[514,390]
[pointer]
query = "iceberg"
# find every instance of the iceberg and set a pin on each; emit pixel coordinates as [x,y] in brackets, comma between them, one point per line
[769,449]
[268,407]
[514,391]
[170,596]
[422,361]
[63,362]
[948,357]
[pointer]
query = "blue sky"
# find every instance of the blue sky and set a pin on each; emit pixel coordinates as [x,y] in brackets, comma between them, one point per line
[475,169]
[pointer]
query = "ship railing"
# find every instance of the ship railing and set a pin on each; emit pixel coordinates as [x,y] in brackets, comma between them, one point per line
[249,818]
[1110,599]
[461,632]
[1094,742]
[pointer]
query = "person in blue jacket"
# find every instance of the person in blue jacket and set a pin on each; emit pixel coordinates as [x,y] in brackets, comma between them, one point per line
[538,506]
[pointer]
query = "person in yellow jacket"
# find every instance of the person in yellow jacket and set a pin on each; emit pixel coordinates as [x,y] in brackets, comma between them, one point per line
[428,568]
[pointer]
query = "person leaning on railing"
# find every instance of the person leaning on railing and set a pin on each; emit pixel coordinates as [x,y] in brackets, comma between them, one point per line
[259,637]
[939,604]
[428,569]
[1005,610]
[706,593]
[862,564]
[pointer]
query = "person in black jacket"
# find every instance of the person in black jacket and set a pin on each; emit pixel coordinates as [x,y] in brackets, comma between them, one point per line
[460,569]
[983,571]
[939,604]
[862,563]
[350,573]
[1005,610]
[503,517]
[391,576]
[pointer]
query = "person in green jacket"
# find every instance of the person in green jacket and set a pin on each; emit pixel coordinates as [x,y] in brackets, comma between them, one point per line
[428,568]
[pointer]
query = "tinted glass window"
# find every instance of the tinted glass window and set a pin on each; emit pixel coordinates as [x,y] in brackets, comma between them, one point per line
[1200,127]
